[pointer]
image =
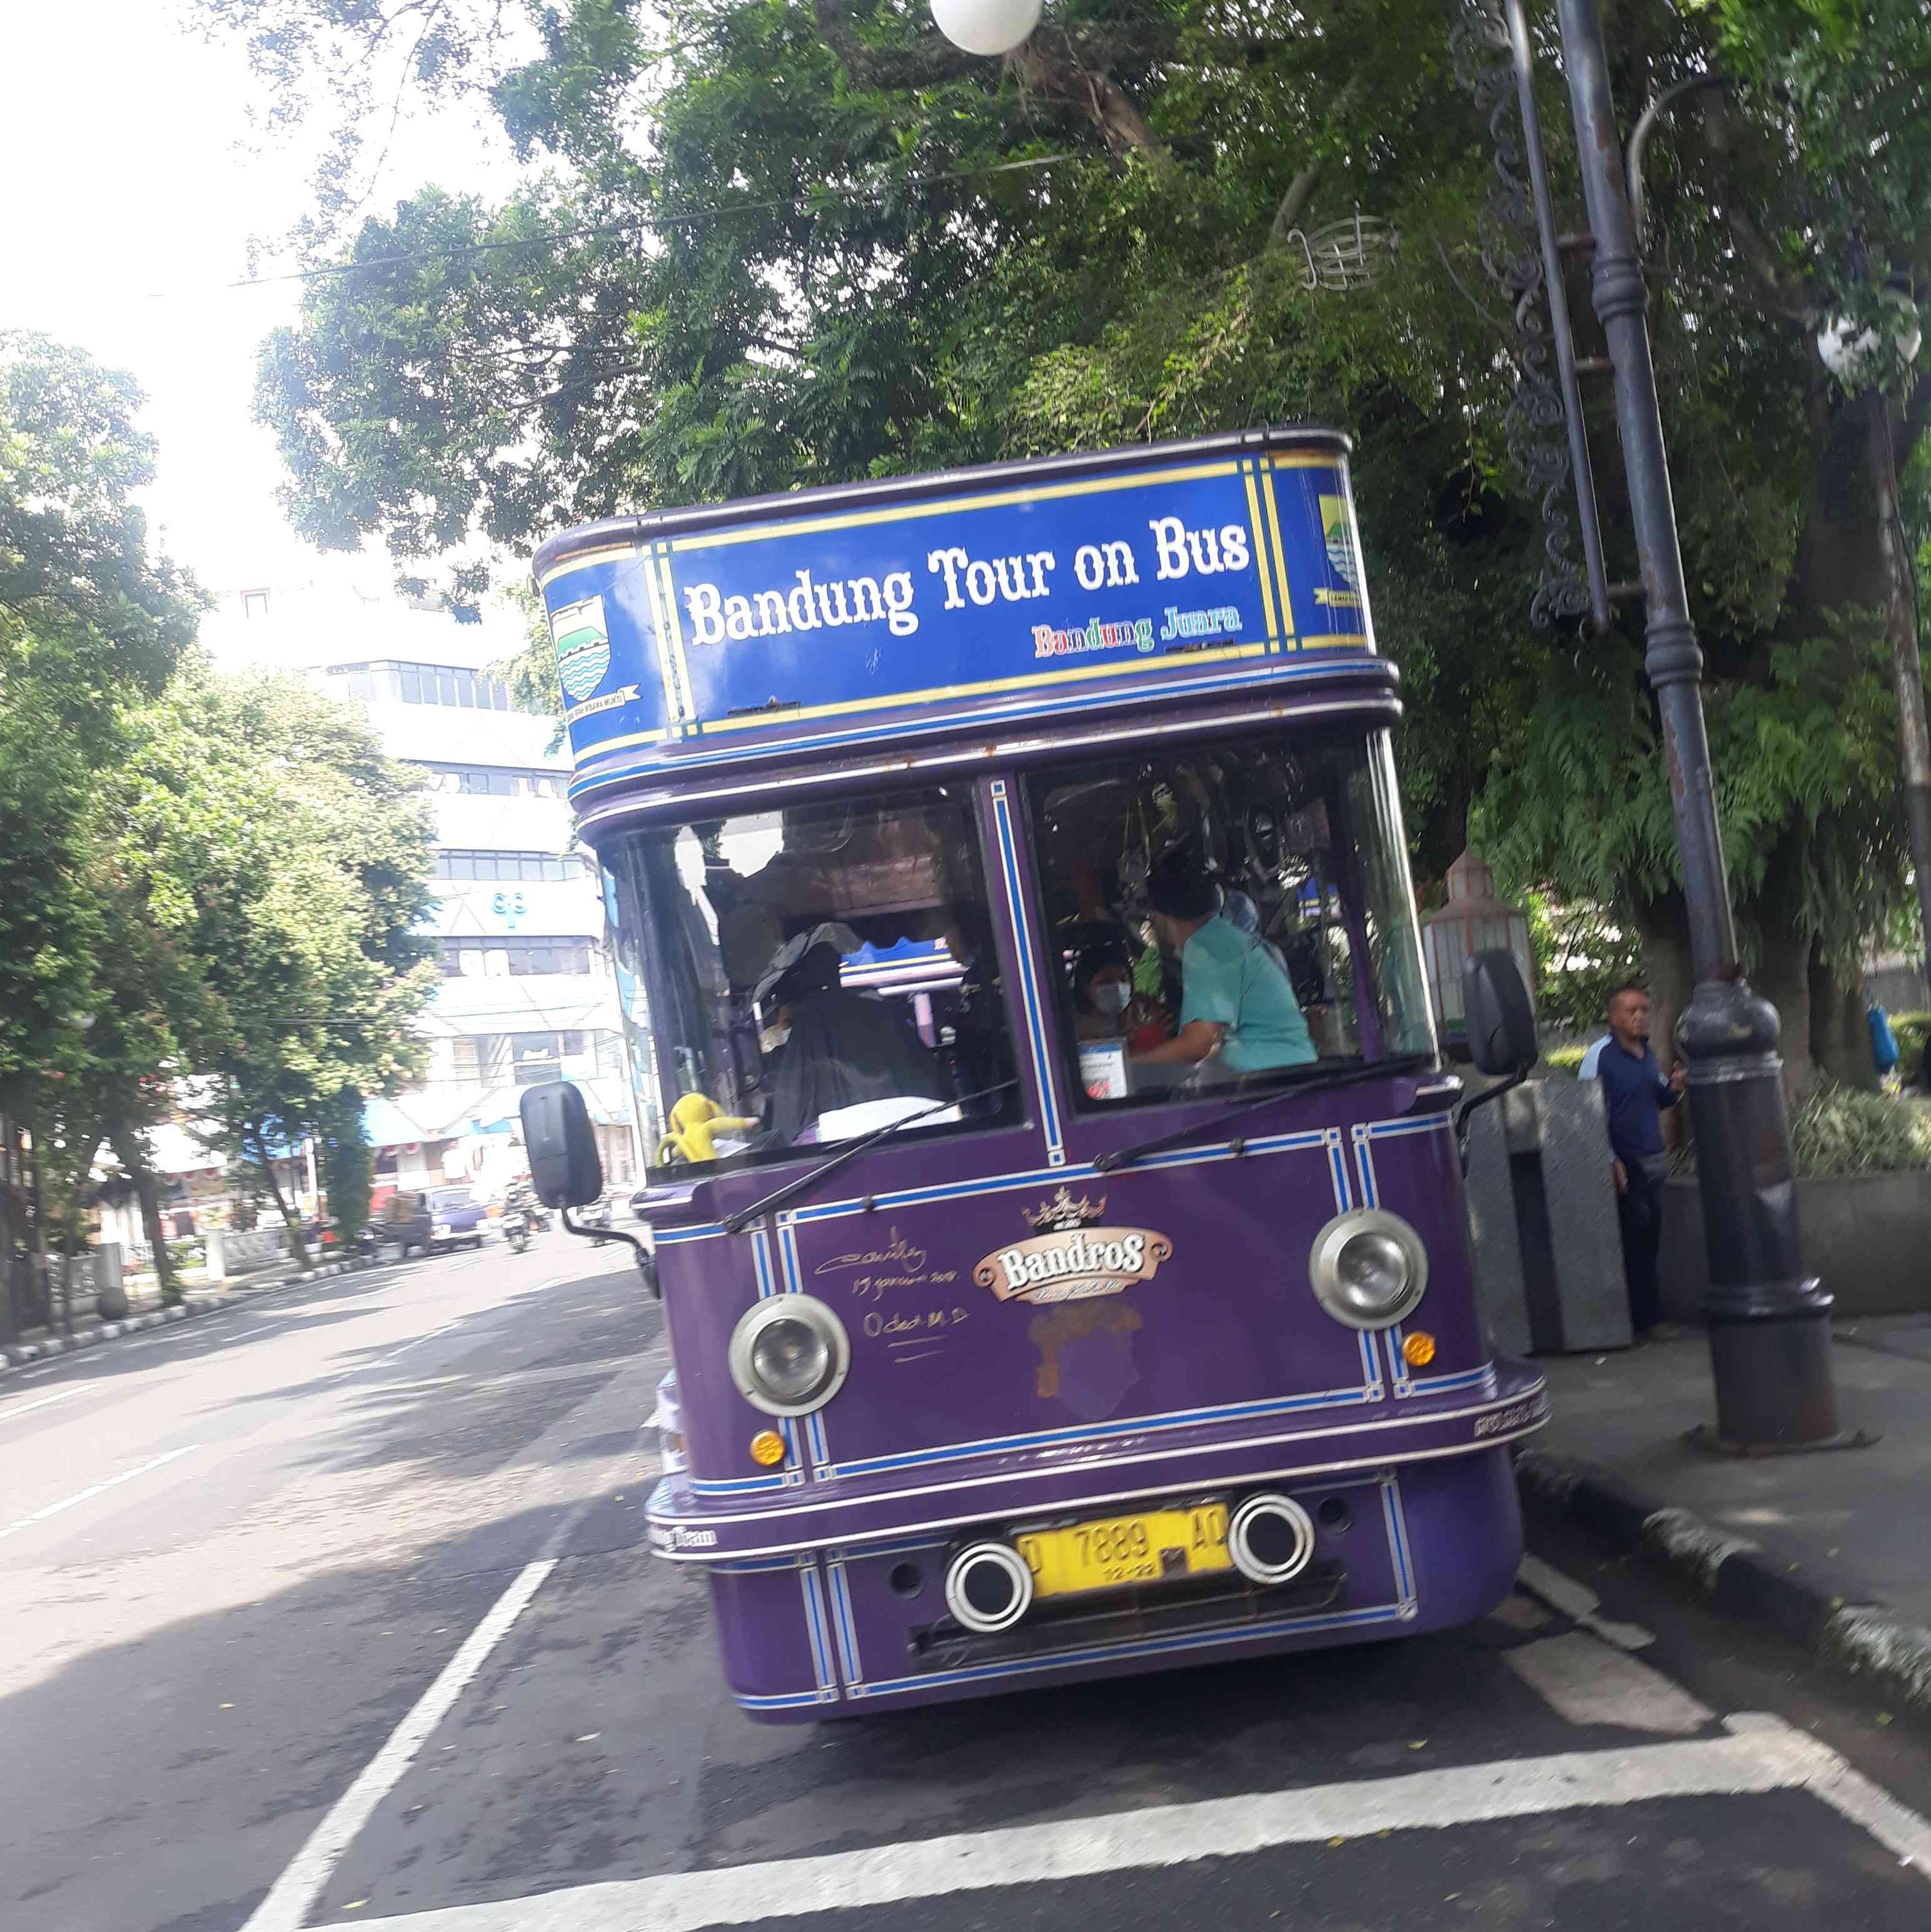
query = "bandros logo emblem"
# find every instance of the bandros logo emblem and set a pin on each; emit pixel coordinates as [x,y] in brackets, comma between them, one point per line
[582,643]
[1071,1260]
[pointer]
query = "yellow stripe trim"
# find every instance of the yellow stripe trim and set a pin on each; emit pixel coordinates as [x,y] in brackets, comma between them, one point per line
[905,512]
[1308,460]
[950,691]
[1354,638]
[1261,560]
[603,744]
[1280,560]
[616,553]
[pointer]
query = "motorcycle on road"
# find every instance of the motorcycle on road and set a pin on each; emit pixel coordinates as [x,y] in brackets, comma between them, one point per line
[516,1229]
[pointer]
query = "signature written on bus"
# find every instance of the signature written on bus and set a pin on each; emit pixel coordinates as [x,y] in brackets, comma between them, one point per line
[898,1263]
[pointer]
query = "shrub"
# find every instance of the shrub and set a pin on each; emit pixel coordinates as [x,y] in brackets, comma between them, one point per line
[1564,1059]
[1911,1030]
[1838,1130]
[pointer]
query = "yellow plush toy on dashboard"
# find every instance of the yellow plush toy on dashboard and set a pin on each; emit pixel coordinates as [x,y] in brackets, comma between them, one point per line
[694,1119]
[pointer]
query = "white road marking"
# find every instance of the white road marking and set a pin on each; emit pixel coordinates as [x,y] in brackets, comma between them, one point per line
[1578,1603]
[1762,1754]
[98,1488]
[287,1906]
[1587,1683]
[10,1411]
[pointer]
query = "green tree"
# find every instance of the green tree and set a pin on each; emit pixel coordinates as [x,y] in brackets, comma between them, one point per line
[91,625]
[347,1166]
[288,858]
[764,245]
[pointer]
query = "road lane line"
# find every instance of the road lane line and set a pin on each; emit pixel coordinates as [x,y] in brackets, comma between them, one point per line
[9,1412]
[289,1897]
[98,1488]
[1584,1681]
[1761,1755]
[1578,1603]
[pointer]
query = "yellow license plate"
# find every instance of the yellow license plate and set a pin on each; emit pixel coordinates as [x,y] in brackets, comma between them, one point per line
[1159,1546]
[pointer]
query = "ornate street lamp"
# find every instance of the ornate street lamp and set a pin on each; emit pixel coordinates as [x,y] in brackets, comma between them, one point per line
[989,27]
[1474,920]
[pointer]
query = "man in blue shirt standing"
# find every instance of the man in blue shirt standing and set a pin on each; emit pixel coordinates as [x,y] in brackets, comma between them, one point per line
[1635,1094]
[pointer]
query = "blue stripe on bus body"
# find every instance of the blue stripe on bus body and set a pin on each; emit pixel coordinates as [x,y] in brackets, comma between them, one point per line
[913,1459]
[1044,1070]
[814,1620]
[1398,1540]
[1305,1140]
[1143,1647]
[1273,672]
[841,1606]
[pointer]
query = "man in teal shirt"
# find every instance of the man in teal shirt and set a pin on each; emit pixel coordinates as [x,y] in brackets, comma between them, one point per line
[1235,1001]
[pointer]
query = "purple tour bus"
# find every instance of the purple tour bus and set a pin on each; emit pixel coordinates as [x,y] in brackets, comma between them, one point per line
[1072,1277]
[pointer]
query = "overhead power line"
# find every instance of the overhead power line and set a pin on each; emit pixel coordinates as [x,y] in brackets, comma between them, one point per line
[668,218]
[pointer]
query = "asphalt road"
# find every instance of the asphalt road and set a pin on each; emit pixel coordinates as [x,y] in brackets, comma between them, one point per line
[335,1610]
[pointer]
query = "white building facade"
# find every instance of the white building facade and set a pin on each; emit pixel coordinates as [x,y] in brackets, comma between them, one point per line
[526,992]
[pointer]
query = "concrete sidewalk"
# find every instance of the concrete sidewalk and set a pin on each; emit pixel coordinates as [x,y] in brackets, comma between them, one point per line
[1832,1549]
[145,1310]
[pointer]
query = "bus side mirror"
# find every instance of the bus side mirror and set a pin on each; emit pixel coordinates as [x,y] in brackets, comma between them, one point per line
[1502,1037]
[562,1144]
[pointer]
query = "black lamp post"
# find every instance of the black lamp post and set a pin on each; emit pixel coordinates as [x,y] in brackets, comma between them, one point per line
[1769,1335]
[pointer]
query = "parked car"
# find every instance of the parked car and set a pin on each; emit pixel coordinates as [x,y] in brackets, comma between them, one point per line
[444,1217]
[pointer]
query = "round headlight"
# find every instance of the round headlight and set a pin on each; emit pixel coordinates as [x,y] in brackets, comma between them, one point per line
[1368,1268]
[789,1355]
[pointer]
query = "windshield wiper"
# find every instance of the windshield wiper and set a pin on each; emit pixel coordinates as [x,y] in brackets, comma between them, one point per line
[736,1224]
[1239,1103]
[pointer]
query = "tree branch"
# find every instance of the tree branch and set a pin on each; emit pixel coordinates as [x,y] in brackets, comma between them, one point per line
[1300,189]
[1781,293]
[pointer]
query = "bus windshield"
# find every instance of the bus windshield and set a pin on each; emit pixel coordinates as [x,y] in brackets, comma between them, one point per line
[811,973]
[1284,853]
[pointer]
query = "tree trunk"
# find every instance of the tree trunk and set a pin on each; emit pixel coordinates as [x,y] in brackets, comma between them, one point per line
[43,1277]
[1840,1039]
[128,1152]
[290,1220]
[10,1172]
[1664,927]
[1782,976]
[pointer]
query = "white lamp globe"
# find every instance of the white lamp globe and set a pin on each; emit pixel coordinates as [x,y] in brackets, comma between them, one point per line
[987,26]
[1853,355]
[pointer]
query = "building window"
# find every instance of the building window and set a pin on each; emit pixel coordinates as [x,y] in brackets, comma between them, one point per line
[466,1061]
[470,958]
[490,780]
[254,603]
[455,862]
[452,684]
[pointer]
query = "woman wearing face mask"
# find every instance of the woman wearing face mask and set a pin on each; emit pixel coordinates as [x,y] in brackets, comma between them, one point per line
[1103,991]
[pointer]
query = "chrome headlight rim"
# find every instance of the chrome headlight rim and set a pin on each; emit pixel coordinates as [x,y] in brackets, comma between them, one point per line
[818,1315]
[1324,1263]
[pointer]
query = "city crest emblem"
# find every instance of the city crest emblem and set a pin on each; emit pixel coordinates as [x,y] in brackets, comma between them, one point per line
[583,641]
[1070,1257]
[1338,533]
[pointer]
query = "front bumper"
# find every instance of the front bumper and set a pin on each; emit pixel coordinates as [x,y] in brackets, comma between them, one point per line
[851,1513]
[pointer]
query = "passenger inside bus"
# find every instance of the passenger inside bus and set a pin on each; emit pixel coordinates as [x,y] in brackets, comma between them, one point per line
[1236,1006]
[846,1061]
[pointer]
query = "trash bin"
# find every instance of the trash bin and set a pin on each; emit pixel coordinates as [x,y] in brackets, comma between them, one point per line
[1543,1205]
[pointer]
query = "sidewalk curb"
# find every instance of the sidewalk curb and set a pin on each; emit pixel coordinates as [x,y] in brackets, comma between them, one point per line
[1736,1576]
[19,1355]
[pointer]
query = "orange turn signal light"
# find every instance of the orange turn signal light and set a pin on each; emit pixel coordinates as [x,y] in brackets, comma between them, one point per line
[767,1448]
[1418,1349]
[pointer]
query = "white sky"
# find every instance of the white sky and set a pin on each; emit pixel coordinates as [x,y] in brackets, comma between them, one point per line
[132,190]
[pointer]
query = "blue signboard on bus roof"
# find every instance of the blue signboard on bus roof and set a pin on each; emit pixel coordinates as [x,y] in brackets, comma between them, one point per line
[841,617]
